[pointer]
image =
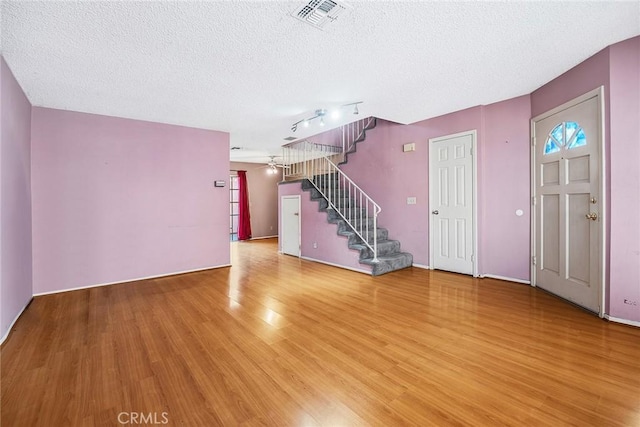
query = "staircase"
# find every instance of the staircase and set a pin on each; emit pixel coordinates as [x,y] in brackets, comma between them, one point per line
[345,204]
[388,255]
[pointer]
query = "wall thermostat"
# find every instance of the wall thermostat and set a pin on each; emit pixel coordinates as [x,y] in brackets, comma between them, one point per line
[220,183]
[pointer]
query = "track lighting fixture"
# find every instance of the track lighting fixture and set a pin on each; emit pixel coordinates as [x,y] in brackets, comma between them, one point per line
[320,113]
[355,106]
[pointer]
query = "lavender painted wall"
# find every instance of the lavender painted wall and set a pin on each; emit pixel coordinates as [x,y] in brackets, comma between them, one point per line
[117,199]
[390,176]
[263,198]
[502,176]
[624,169]
[504,179]
[331,247]
[15,199]
[588,75]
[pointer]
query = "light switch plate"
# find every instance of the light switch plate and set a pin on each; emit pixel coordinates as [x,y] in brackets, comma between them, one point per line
[411,200]
[409,147]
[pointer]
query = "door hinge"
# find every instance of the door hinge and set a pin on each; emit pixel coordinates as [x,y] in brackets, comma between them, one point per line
[533,200]
[472,258]
[533,260]
[533,141]
[471,151]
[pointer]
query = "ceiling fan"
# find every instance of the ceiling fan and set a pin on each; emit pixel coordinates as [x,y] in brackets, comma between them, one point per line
[272,165]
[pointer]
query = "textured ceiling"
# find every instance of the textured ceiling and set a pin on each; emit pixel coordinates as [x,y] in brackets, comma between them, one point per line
[250,69]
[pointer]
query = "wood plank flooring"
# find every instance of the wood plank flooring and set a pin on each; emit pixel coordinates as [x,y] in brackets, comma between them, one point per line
[279,341]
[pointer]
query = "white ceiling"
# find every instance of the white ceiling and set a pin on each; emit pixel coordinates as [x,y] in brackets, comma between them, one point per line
[249,68]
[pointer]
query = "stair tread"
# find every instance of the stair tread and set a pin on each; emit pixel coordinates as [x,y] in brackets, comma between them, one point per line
[382,258]
[380,243]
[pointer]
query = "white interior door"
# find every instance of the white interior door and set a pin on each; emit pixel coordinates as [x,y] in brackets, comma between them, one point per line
[290,216]
[451,201]
[568,202]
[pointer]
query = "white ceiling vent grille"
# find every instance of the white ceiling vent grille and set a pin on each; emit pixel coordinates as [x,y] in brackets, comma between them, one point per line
[319,13]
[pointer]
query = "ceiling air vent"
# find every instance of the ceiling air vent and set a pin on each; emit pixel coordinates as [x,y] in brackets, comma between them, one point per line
[319,13]
[290,138]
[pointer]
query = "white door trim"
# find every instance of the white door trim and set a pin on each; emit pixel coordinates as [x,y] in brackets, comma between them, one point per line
[297,197]
[474,205]
[599,94]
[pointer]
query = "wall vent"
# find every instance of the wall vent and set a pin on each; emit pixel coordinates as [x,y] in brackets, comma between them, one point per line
[290,138]
[319,13]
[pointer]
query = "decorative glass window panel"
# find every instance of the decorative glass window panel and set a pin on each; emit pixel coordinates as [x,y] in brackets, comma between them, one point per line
[565,136]
[580,140]
[551,146]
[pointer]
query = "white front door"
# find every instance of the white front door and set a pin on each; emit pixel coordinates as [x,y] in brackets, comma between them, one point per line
[451,177]
[290,215]
[568,201]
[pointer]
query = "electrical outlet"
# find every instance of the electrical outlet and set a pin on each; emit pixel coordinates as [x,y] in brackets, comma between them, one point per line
[630,302]
[411,200]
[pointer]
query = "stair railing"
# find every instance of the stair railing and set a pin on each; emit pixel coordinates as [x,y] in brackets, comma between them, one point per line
[358,210]
[348,200]
[296,157]
[304,159]
[353,132]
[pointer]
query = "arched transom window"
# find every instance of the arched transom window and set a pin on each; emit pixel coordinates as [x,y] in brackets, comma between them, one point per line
[565,136]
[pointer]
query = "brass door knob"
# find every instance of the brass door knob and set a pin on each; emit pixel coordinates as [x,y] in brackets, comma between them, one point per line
[592,216]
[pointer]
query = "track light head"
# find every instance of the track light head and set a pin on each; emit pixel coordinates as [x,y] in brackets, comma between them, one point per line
[320,113]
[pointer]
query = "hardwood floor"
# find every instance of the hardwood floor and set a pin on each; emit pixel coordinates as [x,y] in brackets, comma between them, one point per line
[278,341]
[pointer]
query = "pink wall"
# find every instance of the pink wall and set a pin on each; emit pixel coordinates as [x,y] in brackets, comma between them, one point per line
[503,181]
[504,157]
[389,176]
[331,247]
[263,198]
[624,170]
[590,74]
[15,199]
[117,199]
[330,137]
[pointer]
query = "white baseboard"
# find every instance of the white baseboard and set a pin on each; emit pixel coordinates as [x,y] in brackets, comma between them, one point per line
[508,279]
[6,334]
[623,321]
[336,265]
[426,267]
[132,280]
[264,237]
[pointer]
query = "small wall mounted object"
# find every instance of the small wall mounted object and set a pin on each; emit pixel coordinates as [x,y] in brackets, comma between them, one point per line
[409,147]
[220,183]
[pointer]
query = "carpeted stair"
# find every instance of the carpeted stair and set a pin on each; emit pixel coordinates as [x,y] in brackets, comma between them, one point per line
[390,258]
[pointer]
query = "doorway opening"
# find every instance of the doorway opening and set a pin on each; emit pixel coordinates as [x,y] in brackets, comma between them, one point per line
[234,207]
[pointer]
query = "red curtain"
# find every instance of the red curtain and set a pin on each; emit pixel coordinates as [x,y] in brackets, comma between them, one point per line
[244,220]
